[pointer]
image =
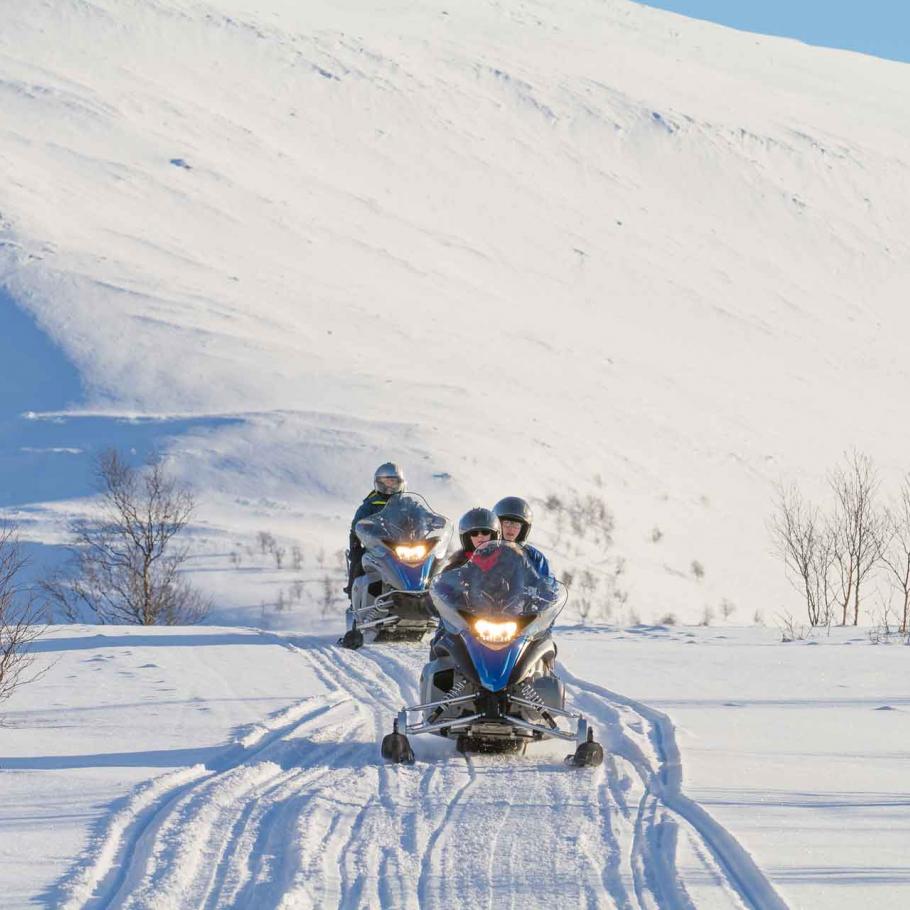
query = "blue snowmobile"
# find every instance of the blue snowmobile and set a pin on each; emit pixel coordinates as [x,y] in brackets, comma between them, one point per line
[490,682]
[405,544]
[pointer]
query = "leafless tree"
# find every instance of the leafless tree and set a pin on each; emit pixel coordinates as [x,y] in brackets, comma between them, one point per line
[803,541]
[278,553]
[266,542]
[329,598]
[896,553]
[126,564]
[296,557]
[19,625]
[858,530]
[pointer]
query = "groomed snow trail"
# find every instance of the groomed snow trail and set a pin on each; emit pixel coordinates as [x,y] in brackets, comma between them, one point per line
[302,812]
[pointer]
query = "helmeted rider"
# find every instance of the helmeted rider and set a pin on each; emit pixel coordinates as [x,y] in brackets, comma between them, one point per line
[387,480]
[515,519]
[475,528]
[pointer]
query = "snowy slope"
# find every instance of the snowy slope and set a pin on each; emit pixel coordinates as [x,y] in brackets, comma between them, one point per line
[518,246]
[523,247]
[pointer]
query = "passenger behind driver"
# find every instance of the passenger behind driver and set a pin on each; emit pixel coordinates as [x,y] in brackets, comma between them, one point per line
[515,517]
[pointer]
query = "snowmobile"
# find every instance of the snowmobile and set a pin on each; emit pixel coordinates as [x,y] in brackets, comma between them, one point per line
[405,544]
[490,683]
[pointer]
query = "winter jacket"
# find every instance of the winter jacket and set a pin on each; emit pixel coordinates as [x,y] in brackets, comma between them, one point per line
[370,506]
[457,560]
[538,560]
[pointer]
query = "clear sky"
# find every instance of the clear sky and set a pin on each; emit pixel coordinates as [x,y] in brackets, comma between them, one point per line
[879,27]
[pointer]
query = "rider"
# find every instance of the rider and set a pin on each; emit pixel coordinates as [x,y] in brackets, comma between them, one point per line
[388,480]
[515,517]
[475,528]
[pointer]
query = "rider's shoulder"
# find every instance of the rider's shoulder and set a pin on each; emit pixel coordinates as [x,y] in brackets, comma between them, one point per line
[370,505]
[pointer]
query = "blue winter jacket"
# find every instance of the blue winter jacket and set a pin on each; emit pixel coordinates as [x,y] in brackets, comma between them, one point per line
[538,560]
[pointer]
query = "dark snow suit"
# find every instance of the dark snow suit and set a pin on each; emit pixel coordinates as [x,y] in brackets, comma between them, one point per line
[370,506]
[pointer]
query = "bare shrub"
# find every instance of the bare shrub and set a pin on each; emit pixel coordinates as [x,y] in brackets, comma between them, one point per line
[791,630]
[727,608]
[656,535]
[707,616]
[587,587]
[858,530]
[896,553]
[266,542]
[586,515]
[19,625]
[830,559]
[698,570]
[804,542]
[329,600]
[297,590]
[884,627]
[668,619]
[126,565]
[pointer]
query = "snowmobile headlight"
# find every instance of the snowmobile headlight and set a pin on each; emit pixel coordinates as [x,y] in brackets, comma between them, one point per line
[495,633]
[412,554]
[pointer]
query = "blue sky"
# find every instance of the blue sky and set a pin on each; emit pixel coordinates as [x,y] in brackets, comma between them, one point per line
[879,27]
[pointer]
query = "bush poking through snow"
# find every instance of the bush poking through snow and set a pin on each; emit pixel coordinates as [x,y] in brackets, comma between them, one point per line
[790,630]
[18,619]
[126,564]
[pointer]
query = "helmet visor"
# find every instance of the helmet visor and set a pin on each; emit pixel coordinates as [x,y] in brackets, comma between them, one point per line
[389,485]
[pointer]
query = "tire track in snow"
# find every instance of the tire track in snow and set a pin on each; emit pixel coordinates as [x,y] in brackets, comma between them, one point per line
[656,828]
[194,831]
[374,863]
[101,878]
[482,810]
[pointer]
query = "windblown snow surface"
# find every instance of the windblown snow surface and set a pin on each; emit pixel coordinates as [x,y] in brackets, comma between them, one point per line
[581,249]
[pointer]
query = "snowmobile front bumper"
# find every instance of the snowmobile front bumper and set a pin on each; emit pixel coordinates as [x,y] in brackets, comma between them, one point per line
[457,724]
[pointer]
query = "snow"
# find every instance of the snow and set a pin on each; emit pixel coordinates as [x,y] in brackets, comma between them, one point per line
[584,249]
[221,767]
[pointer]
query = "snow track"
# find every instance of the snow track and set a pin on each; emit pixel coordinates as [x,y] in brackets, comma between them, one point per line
[301,812]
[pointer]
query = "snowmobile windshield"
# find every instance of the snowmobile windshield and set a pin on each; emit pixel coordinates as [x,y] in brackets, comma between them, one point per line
[405,519]
[498,579]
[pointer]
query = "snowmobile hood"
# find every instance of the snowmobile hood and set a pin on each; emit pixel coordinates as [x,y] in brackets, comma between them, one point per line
[494,667]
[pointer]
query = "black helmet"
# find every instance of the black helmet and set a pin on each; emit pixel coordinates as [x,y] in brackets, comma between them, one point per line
[514,508]
[389,479]
[477,520]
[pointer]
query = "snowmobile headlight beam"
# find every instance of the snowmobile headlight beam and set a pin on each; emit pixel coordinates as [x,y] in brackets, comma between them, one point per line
[411,554]
[495,633]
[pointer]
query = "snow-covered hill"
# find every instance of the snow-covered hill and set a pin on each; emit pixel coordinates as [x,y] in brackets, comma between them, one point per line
[523,248]
[585,252]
